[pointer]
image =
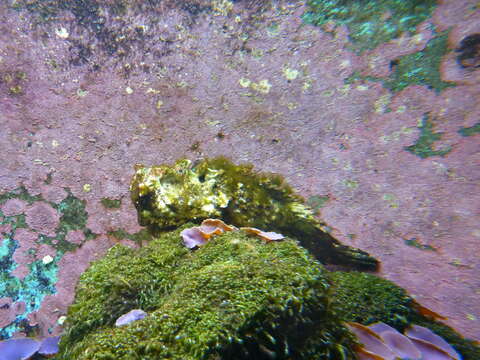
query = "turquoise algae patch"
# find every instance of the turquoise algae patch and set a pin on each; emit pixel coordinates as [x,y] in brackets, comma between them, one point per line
[419,68]
[373,22]
[32,289]
[42,276]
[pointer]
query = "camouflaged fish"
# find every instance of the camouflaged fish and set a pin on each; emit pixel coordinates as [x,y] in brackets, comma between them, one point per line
[169,196]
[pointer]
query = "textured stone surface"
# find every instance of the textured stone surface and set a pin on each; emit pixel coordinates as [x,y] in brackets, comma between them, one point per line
[256,86]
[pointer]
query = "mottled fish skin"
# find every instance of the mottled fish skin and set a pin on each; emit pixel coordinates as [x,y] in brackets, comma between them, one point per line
[169,196]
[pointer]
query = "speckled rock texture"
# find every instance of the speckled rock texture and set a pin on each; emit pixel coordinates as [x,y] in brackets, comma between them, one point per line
[384,142]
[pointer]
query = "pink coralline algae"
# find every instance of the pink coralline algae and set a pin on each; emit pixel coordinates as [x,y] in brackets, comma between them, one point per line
[382,342]
[13,207]
[42,218]
[199,235]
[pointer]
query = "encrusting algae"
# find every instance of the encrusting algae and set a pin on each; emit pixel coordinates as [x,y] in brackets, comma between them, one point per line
[169,196]
[209,290]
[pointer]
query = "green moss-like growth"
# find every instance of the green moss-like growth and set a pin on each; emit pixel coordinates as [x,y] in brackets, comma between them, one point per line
[111,203]
[236,297]
[422,67]
[138,237]
[167,196]
[470,131]
[424,145]
[370,22]
[367,299]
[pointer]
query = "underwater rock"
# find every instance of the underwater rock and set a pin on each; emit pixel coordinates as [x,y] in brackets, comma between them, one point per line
[236,297]
[131,316]
[169,196]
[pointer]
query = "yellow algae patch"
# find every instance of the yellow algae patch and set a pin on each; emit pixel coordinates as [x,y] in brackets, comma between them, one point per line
[263,86]
[381,104]
[245,83]
[222,7]
[290,74]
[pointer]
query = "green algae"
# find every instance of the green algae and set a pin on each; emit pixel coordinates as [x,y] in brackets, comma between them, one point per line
[139,237]
[421,67]
[167,196]
[470,131]
[415,243]
[74,216]
[235,297]
[111,203]
[424,145]
[366,299]
[20,193]
[370,22]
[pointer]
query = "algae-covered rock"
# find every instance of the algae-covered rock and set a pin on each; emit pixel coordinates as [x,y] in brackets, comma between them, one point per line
[367,299]
[236,297]
[168,196]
